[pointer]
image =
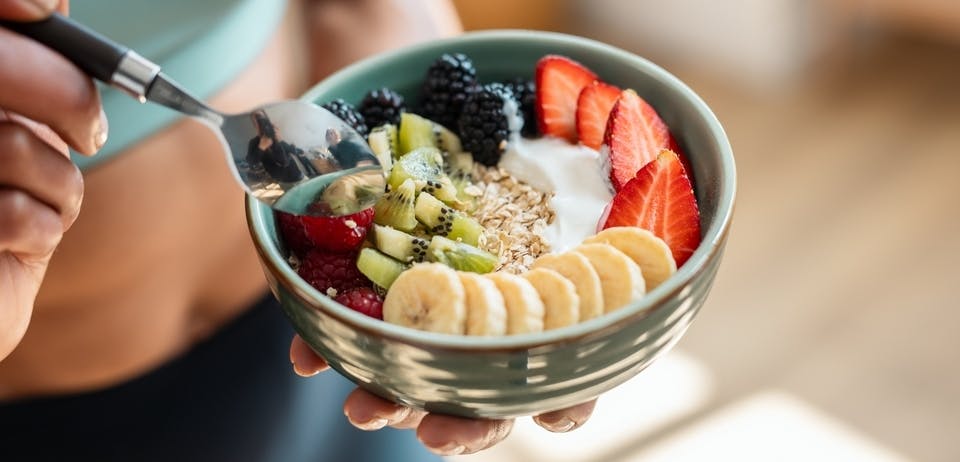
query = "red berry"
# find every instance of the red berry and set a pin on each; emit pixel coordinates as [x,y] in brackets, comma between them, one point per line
[593,108]
[660,199]
[559,81]
[364,300]
[635,135]
[336,271]
[334,234]
[293,234]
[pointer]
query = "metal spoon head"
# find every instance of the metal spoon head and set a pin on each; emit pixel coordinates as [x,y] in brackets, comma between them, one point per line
[300,158]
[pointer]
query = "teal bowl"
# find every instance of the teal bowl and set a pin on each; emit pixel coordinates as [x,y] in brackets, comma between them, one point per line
[511,376]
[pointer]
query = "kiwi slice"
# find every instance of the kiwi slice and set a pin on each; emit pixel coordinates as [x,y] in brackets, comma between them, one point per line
[436,216]
[460,256]
[420,164]
[442,188]
[466,230]
[425,167]
[446,139]
[459,168]
[378,267]
[458,164]
[415,132]
[441,219]
[383,143]
[398,244]
[396,207]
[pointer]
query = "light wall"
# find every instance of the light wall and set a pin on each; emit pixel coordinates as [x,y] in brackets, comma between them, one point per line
[762,41]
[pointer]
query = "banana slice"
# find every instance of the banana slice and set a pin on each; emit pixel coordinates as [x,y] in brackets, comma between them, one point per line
[560,300]
[428,296]
[524,307]
[646,249]
[486,310]
[578,270]
[621,278]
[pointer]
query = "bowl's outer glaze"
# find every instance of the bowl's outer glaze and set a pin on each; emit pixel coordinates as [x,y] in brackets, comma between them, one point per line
[517,375]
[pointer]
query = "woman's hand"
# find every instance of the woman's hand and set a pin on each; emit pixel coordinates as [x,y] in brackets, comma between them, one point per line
[342,31]
[46,104]
[442,434]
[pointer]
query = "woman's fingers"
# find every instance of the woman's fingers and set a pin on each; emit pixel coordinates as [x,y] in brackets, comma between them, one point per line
[42,85]
[447,435]
[306,363]
[568,419]
[35,167]
[27,226]
[39,130]
[370,412]
[27,10]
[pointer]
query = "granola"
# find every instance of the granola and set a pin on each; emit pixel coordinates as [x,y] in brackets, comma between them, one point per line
[514,216]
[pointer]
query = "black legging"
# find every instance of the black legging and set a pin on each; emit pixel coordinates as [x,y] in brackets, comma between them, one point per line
[233,397]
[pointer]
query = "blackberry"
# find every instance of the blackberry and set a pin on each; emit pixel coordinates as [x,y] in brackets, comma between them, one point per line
[526,94]
[449,81]
[382,106]
[346,112]
[484,123]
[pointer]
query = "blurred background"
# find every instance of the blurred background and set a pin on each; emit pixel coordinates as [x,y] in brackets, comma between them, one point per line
[833,330]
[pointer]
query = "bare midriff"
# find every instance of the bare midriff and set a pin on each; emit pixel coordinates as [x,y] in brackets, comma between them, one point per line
[159,258]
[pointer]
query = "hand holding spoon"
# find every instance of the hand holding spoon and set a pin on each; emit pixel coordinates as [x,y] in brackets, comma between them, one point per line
[295,156]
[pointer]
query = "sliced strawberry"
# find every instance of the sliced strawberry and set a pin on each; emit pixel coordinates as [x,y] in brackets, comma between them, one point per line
[593,108]
[674,146]
[559,80]
[660,199]
[635,134]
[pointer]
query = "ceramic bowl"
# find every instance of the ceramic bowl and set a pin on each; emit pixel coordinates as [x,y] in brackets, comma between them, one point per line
[510,376]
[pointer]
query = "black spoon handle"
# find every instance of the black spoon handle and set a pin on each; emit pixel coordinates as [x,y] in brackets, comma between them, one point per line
[98,56]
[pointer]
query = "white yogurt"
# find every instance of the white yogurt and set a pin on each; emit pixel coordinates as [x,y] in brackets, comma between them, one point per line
[574,173]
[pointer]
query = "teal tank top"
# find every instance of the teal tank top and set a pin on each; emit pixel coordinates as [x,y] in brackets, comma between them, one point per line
[202,45]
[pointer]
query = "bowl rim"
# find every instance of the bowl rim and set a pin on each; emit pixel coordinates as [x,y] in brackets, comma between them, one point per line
[711,245]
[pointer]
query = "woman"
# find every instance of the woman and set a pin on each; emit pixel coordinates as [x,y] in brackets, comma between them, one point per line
[141,328]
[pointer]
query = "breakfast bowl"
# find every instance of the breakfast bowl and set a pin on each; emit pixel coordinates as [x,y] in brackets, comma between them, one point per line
[528,373]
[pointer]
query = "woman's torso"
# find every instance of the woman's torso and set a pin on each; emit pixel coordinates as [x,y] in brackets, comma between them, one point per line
[159,257]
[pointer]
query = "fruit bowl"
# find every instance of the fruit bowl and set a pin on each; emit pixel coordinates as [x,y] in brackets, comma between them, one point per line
[530,373]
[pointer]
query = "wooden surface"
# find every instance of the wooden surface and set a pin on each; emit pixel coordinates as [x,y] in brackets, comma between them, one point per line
[512,14]
[939,18]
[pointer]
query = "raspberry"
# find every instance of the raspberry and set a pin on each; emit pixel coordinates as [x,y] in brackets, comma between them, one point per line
[337,271]
[293,234]
[346,112]
[333,234]
[382,106]
[363,300]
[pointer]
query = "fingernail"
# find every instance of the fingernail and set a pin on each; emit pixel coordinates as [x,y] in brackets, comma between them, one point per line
[374,424]
[403,414]
[560,426]
[100,135]
[303,373]
[450,450]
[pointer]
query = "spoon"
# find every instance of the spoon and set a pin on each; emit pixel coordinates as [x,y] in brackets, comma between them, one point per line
[295,156]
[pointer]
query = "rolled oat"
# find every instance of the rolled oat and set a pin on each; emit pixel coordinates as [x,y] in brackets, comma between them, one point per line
[514,216]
